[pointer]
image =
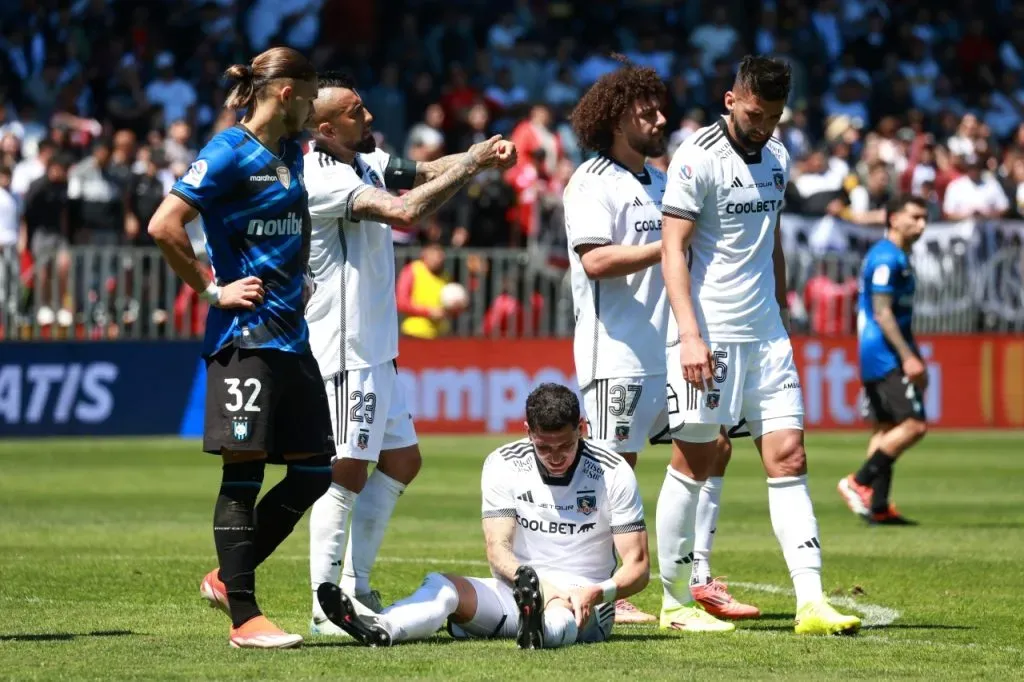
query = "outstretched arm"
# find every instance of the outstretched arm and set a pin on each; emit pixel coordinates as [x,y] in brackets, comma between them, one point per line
[428,170]
[418,203]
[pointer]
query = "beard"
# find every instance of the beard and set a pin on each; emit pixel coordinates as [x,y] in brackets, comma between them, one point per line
[651,147]
[367,145]
[744,136]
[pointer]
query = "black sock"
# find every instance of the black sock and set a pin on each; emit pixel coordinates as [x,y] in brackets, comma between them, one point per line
[283,506]
[872,467]
[880,490]
[234,528]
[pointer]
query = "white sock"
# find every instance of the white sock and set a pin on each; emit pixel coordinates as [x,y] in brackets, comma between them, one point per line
[422,613]
[707,524]
[789,503]
[328,524]
[370,519]
[560,627]
[675,518]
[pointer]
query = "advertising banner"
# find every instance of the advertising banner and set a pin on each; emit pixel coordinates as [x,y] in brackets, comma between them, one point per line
[461,385]
[474,386]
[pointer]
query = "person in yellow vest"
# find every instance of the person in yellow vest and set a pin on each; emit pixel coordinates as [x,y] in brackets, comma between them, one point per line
[419,295]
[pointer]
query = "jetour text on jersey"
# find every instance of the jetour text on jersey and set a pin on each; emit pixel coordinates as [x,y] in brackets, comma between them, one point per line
[290,225]
[762,206]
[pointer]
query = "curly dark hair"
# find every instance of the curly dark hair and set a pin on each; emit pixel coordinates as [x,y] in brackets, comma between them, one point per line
[552,407]
[599,110]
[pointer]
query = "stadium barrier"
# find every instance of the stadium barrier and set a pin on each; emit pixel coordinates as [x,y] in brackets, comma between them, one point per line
[970,278]
[460,385]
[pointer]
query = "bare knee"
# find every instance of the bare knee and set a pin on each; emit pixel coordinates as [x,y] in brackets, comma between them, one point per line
[466,609]
[916,429]
[784,454]
[350,474]
[401,464]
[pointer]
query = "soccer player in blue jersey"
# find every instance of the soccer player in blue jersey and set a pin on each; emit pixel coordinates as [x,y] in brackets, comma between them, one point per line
[265,401]
[891,368]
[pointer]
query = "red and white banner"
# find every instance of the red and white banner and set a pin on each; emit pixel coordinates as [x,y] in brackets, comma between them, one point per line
[480,386]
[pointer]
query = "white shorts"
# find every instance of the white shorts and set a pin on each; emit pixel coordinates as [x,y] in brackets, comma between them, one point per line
[369,412]
[623,414]
[497,615]
[754,381]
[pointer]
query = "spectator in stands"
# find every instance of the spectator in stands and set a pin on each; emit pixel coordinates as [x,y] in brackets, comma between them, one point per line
[32,168]
[868,201]
[175,97]
[45,232]
[97,197]
[418,294]
[975,194]
[177,147]
[508,317]
[8,211]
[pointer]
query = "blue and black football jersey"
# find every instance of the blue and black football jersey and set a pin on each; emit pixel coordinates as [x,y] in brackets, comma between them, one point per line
[886,270]
[255,214]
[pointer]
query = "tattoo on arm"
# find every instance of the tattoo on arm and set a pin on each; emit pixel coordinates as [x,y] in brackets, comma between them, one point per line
[881,305]
[375,204]
[499,533]
[428,170]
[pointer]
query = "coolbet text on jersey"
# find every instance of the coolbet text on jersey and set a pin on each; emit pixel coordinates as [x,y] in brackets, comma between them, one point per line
[254,211]
[735,198]
[886,270]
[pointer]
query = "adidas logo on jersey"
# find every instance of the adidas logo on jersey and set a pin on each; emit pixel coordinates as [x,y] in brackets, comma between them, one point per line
[638,202]
[526,497]
[736,182]
[290,225]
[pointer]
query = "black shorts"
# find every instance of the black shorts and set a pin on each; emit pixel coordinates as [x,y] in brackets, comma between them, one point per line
[892,399]
[266,400]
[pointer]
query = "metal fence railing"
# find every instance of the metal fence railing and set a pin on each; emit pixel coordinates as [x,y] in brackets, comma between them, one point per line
[131,293]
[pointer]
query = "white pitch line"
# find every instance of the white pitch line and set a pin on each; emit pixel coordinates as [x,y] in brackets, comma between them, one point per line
[875,616]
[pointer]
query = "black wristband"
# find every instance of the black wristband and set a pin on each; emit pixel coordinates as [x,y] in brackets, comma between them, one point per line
[400,173]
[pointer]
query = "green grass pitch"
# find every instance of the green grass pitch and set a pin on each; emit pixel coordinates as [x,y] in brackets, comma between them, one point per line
[104,543]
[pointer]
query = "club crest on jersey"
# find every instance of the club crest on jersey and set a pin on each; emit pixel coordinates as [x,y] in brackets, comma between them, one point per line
[240,428]
[621,431]
[586,502]
[375,179]
[713,399]
[285,176]
[686,172]
[363,439]
[780,182]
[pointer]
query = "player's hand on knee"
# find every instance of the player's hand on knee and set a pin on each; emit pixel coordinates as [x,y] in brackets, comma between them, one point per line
[696,359]
[583,600]
[244,293]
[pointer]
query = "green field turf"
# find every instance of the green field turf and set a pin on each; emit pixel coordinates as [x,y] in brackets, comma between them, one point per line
[104,543]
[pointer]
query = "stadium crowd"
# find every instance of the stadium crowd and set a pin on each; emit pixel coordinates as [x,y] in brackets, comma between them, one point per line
[103,103]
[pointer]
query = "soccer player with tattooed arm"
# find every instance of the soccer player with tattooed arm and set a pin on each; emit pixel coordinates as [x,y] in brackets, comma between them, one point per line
[556,510]
[729,353]
[264,398]
[353,322]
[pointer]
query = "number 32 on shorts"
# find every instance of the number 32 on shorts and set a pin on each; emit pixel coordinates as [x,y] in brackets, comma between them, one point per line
[243,394]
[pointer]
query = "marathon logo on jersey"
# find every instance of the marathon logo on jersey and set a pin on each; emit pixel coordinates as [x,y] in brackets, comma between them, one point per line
[586,502]
[713,399]
[748,207]
[288,226]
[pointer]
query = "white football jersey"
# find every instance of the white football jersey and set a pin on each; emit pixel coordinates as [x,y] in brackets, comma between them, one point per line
[353,316]
[564,524]
[620,322]
[735,199]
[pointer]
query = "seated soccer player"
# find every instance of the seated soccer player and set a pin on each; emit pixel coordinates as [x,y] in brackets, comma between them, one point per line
[556,512]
